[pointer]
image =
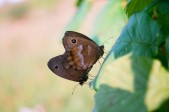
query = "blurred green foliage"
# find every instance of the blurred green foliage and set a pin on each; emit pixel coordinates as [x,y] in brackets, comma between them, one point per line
[142,83]
[79,2]
[26,82]
[132,6]
[48,4]
[130,79]
[163,15]
[79,16]
[18,11]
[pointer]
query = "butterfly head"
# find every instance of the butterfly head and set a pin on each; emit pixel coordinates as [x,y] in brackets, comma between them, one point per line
[101,50]
[84,79]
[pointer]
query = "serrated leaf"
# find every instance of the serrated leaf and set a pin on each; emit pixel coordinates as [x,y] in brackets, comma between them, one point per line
[79,17]
[136,5]
[149,89]
[141,36]
[109,22]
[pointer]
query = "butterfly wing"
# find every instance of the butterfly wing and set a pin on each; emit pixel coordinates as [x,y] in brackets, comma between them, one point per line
[81,57]
[70,35]
[82,52]
[56,66]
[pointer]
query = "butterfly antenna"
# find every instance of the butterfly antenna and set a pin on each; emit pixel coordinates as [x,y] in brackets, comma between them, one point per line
[99,62]
[74,88]
[105,41]
[103,58]
[106,51]
[91,75]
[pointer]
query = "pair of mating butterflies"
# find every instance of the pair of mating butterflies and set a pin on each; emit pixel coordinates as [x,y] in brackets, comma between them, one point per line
[81,53]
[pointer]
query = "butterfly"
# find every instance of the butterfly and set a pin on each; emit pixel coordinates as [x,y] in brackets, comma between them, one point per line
[81,53]
[56,66]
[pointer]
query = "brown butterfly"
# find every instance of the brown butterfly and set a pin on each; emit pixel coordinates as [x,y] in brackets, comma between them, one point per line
[81,53]
[56,66]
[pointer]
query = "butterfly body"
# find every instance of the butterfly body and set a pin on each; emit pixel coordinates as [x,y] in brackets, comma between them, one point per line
[81,53]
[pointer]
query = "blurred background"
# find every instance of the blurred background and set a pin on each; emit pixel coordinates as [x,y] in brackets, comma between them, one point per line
[31,33]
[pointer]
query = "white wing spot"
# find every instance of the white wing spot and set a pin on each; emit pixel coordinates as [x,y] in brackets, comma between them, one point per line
[80,55]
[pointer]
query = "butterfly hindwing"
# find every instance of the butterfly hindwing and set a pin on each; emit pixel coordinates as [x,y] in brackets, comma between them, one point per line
[56,66]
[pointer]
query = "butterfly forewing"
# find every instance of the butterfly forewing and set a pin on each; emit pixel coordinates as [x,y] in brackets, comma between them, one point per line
[83,52]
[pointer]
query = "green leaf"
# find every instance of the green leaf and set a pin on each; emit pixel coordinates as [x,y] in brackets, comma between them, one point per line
[163,6]
[79,17]
[109,22]
[163,59]
[136,5]
[164,107]
[79,3]
[141,36]
[163,15]
[139,86]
